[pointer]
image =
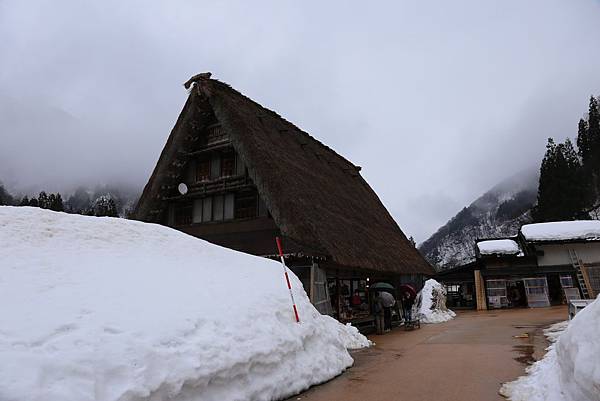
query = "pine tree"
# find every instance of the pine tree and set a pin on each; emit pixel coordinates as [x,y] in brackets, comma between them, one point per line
[56,203]
[583,141]
[593,125]
[42,200]
[51,201]
[105,207]
[5,197]
[80,202]
[561,193]
[24,201]
[112,209]
[34,202]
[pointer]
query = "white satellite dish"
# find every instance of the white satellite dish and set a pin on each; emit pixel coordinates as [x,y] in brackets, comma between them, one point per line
[182,188]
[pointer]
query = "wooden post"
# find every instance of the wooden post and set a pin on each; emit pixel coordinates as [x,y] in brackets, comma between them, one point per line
[479,291]
[337,293]
[311,293]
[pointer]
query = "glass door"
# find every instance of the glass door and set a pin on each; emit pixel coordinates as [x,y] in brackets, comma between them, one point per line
[536,290]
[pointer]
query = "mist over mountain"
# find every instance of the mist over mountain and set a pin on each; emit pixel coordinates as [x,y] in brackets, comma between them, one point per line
[89,200]
[499,212]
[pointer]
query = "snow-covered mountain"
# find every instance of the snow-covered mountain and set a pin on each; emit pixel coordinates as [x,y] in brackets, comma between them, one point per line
[499,212]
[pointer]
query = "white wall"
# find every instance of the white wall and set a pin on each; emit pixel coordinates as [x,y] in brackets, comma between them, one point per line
[558,254]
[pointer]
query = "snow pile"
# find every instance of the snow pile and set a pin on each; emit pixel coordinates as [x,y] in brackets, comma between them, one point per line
[430,305]
[110,309]
[570,370]
[562,231]
[499,247]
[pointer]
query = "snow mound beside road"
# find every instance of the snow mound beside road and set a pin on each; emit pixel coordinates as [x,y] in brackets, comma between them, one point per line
[111,309]
[430,305]
[570,370]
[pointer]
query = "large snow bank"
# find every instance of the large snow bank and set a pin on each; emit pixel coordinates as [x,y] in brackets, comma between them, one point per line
[430,305]
[110,309]
[562,231]
[499,247]
[570,370]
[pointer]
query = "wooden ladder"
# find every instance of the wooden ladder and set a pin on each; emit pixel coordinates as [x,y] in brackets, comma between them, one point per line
[578,265]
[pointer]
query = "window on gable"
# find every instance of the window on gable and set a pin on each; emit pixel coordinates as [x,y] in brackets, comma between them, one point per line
[203,170]
[228,164]
[246,205]
[183,214]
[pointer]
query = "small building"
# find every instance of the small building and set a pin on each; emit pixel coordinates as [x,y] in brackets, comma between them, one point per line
[237,174]
[545,264]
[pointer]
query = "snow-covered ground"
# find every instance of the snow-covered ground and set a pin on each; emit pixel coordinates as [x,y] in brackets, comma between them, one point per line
[430,305]
[499,247]
[562,230]
[570,370]
[111,309]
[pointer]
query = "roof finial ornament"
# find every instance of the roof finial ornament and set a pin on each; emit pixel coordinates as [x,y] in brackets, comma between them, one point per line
[195,78]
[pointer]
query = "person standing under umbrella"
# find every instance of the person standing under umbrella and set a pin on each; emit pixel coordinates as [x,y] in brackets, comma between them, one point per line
[378,310]
[388,302]
[407,296]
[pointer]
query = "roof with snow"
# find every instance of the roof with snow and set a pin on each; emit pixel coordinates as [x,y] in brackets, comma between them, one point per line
[499,247]
[317,198]
[559,231]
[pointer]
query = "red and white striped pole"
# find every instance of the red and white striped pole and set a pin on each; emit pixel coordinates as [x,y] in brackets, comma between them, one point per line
[287,279]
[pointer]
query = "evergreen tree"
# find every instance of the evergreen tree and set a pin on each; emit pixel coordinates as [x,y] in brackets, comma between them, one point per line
[583,141]
[24,201]
[5,197]
[79,202]
[56,203]
[105,206]
[43,200]
[51,201]
[561,193]
[34,202]
[593,128]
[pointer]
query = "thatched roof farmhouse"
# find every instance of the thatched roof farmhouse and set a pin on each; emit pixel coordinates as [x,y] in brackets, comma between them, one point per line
[250,175]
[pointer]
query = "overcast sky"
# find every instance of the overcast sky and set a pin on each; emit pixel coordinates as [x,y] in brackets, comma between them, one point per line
[437,100]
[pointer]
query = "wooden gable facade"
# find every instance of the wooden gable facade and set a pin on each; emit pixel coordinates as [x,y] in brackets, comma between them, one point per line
[238,175]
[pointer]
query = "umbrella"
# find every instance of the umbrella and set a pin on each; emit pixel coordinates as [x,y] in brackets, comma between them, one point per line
[388,299]
[382,286]
[407,291]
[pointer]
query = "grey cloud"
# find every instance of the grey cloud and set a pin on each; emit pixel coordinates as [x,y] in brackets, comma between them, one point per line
[438,101]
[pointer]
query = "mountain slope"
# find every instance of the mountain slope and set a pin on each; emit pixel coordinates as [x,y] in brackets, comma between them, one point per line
[499,212]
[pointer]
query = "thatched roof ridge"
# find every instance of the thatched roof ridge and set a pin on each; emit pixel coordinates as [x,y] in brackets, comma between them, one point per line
[317,198]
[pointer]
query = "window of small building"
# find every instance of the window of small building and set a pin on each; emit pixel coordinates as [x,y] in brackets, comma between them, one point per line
[228,164]
[218,203]
[215,166]
[566,281]
[203,170]
[229,207]
[197,212]
[183,214]
[206,209]
[246,205]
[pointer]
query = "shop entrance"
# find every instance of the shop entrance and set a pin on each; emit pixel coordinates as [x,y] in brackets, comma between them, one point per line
[516,294]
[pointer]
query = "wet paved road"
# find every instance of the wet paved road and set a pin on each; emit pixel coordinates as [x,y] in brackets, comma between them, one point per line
[462,360]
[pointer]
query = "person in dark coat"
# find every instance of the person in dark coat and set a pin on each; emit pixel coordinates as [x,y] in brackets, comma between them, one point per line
[407,303]
[378,311]
[388,302]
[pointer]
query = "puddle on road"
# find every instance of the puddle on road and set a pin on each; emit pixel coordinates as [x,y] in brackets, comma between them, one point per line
[525,352]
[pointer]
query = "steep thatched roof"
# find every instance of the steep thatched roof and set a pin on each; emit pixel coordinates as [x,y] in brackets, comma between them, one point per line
[317,198]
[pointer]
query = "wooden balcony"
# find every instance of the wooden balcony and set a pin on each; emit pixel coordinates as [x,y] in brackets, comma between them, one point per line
[212,187]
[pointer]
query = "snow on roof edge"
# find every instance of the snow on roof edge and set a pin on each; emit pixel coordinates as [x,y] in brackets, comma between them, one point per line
[504,246]
[585,230]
